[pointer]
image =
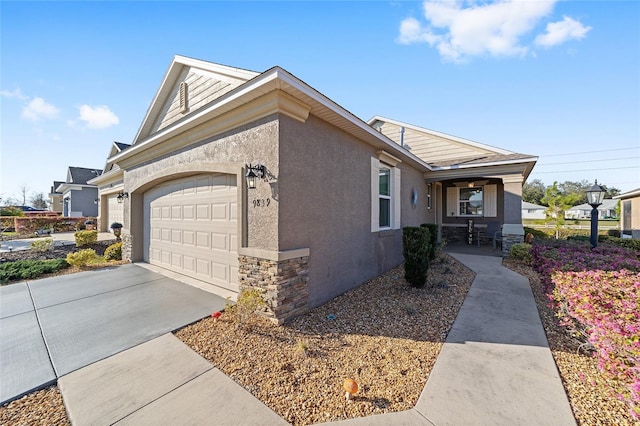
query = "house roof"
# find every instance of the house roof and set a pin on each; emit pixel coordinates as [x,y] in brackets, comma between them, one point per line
[281,92]
[630,194]
[607,204]
[56,184]
[121,146]
[443,151]
[298,96]
[80,175]
[530,206]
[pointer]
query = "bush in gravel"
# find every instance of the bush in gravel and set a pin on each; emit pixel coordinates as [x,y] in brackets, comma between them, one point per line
[522,252]
[84,238]
[415,249]
[113,252]
[82,257]
[248,302]
[29,269]
[433,239]
[42,245]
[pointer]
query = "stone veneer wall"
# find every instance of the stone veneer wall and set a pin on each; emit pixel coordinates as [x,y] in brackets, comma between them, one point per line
[509,240]
[127,241]
[285,284]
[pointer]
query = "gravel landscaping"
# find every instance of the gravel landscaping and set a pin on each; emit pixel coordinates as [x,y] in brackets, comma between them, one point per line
[44,407]
[591,400]
[385,335]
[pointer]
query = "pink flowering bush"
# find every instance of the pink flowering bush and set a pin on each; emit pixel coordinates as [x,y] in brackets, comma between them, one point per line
[596,293]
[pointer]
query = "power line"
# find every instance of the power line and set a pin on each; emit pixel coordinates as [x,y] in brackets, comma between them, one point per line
[589,152]
[584,170]
[590,161]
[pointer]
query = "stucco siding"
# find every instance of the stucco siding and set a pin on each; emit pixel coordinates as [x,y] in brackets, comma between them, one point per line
[325,205]
[225,153]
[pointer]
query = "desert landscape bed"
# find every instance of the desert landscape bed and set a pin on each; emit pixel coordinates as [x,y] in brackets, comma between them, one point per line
[385,334]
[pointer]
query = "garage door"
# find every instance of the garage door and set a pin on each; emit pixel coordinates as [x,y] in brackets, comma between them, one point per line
[191,228]
[114,210]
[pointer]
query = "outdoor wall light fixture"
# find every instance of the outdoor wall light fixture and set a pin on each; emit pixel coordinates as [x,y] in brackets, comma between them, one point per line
[95,201]
[253,172]
[122,196]
[595,195]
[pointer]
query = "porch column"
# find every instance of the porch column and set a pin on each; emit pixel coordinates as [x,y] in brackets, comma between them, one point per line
[512,230]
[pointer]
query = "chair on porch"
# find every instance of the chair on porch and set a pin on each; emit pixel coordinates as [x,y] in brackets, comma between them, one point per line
[493,233]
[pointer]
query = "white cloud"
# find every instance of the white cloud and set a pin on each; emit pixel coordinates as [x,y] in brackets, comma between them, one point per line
[38,109]
[99,117]
[460,30]
[561,31]
[17,93]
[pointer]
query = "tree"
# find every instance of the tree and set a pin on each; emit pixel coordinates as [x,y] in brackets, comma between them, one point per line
[532,192]
[558,202]
[23,191]
[611,192]
[38,201]
[576,189]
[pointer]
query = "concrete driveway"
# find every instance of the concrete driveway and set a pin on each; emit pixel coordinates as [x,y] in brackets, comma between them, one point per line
[53,326]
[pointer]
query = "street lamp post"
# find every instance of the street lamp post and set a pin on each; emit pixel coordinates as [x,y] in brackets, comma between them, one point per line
[595,195]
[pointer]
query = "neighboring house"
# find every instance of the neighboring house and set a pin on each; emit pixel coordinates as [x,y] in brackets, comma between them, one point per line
[606,210]
[237,178]
[630,212]
[55,198]
[533,211]
[79,199]
[111,186]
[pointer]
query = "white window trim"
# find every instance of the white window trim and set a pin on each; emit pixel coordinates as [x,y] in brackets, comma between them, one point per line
[489,201]
[395,187]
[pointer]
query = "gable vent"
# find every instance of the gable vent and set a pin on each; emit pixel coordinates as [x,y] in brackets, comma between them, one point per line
[184,107]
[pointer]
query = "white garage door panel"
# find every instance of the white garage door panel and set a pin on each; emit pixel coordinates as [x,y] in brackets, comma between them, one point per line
[191,228]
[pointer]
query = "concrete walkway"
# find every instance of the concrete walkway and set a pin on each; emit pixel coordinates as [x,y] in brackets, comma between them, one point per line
[494,369]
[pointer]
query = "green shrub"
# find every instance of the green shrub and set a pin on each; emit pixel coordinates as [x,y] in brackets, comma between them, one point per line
[629,243]
[29,269]
[416,248]
[85,237]
[433,239]
[522,252]
[249,301]
[82,257]
[537,234]
[11,211]
[42,245]
[113,252]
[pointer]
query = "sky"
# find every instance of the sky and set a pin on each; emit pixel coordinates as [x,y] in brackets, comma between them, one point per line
[555,79]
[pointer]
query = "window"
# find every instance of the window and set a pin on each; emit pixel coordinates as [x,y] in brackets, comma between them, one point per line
[475,201]
[384,195]
[429,196]
[385,192]
[470,202]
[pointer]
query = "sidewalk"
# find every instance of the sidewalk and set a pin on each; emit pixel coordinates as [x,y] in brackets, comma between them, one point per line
[495,368]
[59,239]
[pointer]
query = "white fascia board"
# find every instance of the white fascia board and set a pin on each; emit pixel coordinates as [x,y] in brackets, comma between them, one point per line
[73,186]
[217,68]
[105,177]
[630,194]
[489,164]
[440,134]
